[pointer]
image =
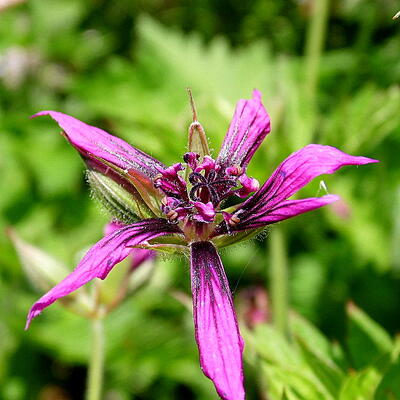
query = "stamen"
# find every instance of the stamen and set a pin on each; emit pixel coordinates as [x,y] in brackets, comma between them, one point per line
[233,220]
[172,215]
[236,170]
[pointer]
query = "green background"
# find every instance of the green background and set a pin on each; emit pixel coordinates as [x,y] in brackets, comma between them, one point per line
[124,66]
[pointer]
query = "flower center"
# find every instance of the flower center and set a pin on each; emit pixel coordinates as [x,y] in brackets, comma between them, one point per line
[208,185]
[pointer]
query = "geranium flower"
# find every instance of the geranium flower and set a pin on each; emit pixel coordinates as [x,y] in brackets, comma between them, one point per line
[167,209]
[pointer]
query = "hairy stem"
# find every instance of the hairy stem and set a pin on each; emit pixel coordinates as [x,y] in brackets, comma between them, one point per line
[96,366]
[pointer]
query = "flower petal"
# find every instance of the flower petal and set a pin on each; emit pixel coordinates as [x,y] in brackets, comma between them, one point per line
[105,152]
[95,143]
[216,328]
[138,256]
[294,173]
[102,257]
[249,126]
[284,210]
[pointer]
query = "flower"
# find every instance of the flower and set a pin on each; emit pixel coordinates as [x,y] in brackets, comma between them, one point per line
[168,212]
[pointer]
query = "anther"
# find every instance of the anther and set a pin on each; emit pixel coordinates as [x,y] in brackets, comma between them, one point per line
[233,220]
[236,170]
[157,177]
[172,215]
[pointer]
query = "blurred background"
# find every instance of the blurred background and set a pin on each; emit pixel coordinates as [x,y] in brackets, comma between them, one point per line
[329,72]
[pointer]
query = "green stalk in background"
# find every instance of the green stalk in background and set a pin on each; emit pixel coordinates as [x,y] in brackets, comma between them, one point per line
[96,365]
[279,280]
[314,45]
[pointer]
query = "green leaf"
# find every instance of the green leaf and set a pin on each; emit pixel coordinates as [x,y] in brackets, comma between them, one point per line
[309,334]
[272,346]
[389,387]
[367,340]
[296,383]
[326,371]
[360,385]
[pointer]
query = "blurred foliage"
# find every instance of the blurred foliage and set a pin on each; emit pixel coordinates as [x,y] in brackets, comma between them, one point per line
[124,66]
[310,367]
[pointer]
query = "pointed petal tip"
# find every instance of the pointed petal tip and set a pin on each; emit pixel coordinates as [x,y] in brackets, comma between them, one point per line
[33,312]
[247,130]
[366,160]
[330,198]
[44,112]
[256,94]
[101,258]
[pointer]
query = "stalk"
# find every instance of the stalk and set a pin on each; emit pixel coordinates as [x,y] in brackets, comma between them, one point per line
[96,366]
[279,280]
[314,45]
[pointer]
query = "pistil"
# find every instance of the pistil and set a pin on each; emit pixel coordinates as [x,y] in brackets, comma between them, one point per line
[208,185]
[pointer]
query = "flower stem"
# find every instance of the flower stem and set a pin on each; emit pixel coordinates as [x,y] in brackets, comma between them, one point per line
[279,280]
[95,372]
[314,44]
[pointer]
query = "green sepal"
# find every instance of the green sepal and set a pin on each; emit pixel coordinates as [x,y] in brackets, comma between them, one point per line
[143,186]
[165,248]
[122,204]
[235,237]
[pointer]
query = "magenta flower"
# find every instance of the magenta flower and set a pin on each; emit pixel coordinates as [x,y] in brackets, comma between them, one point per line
[165,211]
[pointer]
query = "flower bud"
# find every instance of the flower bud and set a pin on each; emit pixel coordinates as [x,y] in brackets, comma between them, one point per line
[42,270]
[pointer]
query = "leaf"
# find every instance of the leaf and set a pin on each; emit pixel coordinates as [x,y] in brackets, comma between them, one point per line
[360,385]
[309,334]
[327,372]
[272,346]
[389,387]
[294,381]
[367,340]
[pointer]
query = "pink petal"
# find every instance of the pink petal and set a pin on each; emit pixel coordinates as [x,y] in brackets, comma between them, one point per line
[99,146]
[206,211]
[102,257]
[250,124]
[299,169]
[269,205]
[216,328]
[138,256]
[291,175]
[287,209]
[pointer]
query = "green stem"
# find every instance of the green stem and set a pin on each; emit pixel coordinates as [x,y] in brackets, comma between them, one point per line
[314,45]
[96,365]
[279,280]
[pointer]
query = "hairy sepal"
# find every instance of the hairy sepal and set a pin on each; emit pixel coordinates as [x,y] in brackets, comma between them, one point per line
[120,203]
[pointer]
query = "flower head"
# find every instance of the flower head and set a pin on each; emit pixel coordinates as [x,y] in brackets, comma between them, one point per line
[188,213]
